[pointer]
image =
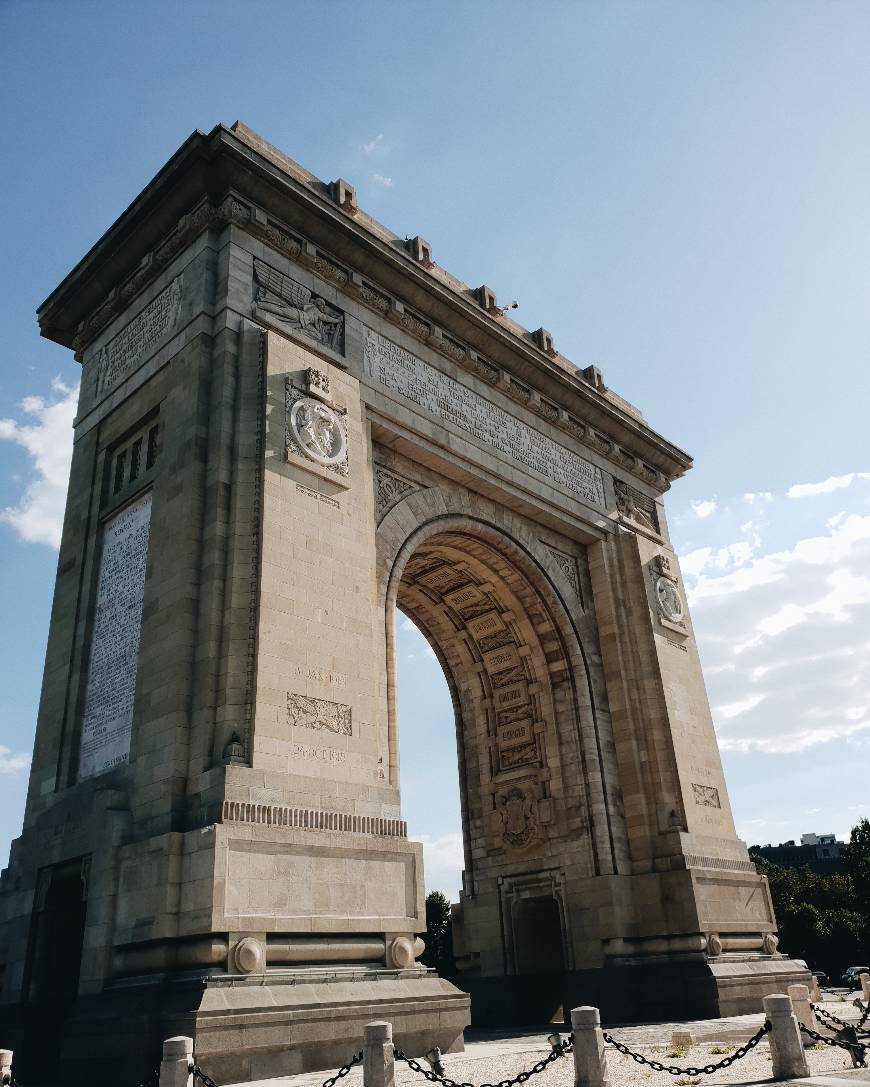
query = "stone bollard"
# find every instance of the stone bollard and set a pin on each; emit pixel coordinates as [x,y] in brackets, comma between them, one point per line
[177,1064]
[799,995]
[5,1065]
[865,985]
[786,1044]
[590,1063]
[815,991]
[378,1063]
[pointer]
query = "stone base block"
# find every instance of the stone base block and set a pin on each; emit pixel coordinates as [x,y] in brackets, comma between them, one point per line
[650,992]
[260,1026]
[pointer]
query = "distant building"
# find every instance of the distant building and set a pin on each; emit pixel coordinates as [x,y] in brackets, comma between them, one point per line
[820,852]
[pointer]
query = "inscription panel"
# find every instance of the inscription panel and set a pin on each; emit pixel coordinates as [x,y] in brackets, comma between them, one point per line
[114,655]
[448,400]
[139,338]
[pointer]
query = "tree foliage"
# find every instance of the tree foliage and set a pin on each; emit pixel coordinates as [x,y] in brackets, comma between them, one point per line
[858,862]
[824,919]
[438,935]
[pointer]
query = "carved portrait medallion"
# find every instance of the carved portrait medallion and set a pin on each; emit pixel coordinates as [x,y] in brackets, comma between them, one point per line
[318,431]
[670,602]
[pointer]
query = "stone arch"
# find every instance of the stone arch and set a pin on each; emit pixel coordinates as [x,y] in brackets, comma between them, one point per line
[496,604]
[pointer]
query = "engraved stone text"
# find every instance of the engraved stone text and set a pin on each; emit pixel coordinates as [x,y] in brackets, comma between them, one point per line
[111,685]
[490,425]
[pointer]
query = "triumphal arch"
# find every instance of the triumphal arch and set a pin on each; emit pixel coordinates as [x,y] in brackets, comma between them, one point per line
[291,421]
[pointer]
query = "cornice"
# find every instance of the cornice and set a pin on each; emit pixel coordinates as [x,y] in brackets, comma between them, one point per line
[144,241]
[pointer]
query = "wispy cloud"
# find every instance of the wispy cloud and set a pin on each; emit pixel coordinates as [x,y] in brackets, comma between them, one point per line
[784,631]
[12,762]
[384,182]
[704,508]
[832,483]
[45,432]
[375,146]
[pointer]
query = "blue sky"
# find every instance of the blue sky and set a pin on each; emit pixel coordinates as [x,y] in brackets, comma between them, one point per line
[677,191]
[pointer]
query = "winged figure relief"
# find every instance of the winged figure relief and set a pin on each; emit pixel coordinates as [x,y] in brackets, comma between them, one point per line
[294,307]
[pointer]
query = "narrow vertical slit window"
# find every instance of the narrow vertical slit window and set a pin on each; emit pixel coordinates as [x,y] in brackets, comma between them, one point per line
[135,458]
[119,472]
[151,453]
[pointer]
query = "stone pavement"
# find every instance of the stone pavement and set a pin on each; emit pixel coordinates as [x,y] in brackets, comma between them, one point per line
[492,1056]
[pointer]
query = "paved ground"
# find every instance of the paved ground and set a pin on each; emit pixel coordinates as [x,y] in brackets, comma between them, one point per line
[493,1056]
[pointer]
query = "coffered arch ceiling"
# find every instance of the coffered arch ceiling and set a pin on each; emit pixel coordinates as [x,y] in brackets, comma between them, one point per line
[530,773]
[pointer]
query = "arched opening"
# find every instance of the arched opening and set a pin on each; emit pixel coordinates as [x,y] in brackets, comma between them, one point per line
[486,609]
[429,777]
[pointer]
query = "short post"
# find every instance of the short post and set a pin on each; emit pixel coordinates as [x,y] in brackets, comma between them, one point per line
[865,985]
[378,1062]
[815,991]
[176,1068]
[5,1064]
[799,995]
[786,1045]
[590,1063]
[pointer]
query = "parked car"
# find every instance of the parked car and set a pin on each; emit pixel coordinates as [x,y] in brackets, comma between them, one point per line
[852,975]
[821,977]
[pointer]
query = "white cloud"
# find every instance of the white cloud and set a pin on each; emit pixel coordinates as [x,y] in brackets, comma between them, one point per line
[832,483]
[704,508]
[734,709]
[443,862]
[46,435]
[784,633]
[375,146]
[12,763]
[384,182]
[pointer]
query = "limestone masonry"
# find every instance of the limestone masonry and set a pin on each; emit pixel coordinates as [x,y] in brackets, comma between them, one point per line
[292,421]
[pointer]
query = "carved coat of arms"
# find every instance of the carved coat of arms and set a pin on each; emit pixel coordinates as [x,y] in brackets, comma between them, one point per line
[518,817]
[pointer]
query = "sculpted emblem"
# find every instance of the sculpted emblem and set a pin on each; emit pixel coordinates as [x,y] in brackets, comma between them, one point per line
[318,431]
[670,602]
[519,822]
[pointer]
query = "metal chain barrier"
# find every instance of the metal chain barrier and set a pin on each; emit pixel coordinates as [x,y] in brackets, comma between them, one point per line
[10,1081]
[865,1012]
[558,1051]
[343,1071]
[707,1070]
[203,1077]
[842,1024]
[858,1049]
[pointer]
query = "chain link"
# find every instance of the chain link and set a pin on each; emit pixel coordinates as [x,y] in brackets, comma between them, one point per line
[858,1050]
[558,1051]
[343,1071]
[10,1081]
[830,1017]
[203,1077]
[865,1012]
[707,1070]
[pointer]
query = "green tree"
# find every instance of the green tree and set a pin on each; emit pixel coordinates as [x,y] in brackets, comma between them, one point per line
[858,862]
[438,935]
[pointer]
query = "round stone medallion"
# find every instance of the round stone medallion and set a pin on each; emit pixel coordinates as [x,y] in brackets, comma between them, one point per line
[770,943]
[402,952]
[318,431]
[669,599]
[250,956]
